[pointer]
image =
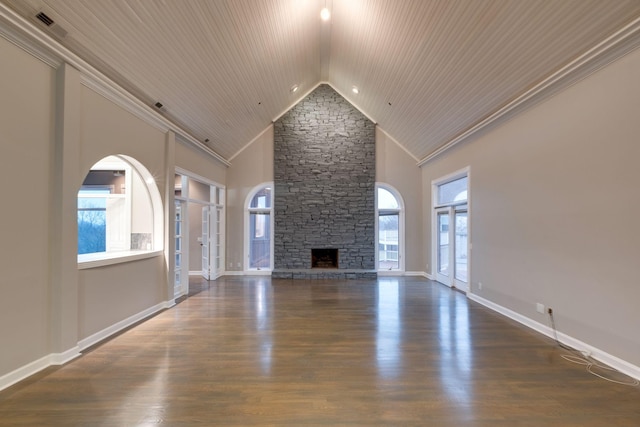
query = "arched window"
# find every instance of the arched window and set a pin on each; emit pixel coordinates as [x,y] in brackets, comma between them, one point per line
[119,213]
[390,228]
[258,226]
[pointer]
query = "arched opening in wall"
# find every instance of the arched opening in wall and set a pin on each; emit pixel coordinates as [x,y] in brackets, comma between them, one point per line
[119,213]
[389,229]
[258,226]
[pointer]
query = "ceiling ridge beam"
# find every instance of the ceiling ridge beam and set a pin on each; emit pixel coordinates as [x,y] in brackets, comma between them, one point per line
[610,49]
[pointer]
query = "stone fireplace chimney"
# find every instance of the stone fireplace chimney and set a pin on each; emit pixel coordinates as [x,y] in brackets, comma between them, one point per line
[324,195]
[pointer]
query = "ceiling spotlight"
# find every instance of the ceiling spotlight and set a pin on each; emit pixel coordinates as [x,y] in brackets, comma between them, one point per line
[355,90]
[158,104]
[206,140]
[294,89]
[325,14]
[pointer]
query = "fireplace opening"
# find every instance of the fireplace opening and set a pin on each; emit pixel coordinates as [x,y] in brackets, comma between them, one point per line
[324,258]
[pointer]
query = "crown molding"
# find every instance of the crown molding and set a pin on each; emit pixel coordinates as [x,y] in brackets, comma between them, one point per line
[26,36]
[12,29]
[612,48]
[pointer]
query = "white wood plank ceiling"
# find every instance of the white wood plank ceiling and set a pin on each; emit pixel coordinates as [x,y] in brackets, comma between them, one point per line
[426,70]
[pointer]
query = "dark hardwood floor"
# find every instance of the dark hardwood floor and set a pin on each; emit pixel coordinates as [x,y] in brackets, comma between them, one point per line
[252,351]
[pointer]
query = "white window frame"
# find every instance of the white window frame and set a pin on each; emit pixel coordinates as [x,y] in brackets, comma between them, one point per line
[435,207]
[247,241]
[401,235]
[100,259]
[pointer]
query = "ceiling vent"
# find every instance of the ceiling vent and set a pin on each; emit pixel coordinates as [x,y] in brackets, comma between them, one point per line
[54,28]
[42,17]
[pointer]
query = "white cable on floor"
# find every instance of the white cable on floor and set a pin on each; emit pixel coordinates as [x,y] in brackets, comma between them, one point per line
[583,359]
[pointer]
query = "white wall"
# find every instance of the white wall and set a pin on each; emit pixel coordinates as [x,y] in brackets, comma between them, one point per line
[554,199]
[108,129]
[397,168]
[27,88]
[196,161]
[251,167]
[53,128]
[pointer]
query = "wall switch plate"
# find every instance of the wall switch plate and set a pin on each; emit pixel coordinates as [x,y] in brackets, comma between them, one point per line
[479,285]
[540,308]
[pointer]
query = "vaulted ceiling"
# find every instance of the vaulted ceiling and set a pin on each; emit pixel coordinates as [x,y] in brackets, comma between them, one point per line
[427,71]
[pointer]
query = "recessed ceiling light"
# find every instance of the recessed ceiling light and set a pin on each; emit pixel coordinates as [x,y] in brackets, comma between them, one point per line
[355,90]
[325,14]
[294,88]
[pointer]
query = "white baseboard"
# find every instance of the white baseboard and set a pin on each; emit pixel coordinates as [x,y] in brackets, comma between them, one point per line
[64,357]
[420,274]
[36,366]
[396,273]
[257,273]
[390,273]
[25,371]
[117,327]
[596,353]
[234,273]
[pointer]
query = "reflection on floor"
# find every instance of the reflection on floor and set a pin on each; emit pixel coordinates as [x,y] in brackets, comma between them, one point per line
[255,351]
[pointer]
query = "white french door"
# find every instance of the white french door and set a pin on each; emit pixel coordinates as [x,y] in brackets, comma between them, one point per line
[212,261]
[181,280]
[206,239]
[452,248]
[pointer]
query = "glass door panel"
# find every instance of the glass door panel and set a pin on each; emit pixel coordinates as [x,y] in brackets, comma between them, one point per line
[259,240]
[206,270]
[461,247]
[388,243]
[443,243]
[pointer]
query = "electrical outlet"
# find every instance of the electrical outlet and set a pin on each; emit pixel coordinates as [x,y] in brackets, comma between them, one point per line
[230,265]
[540,308]
[238,265]
[479,285]
[427,267]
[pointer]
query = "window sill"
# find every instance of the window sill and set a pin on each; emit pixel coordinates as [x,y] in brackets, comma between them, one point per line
[101,259]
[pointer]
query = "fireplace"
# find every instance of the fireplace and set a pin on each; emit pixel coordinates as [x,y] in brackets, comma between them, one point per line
[324,258]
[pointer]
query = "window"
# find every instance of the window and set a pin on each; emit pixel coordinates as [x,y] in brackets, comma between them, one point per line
[389,230]
[452,192]
[92,218]
[119,213]
[259,220]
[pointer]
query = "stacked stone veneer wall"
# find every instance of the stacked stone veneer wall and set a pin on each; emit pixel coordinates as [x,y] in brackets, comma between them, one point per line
[324,195]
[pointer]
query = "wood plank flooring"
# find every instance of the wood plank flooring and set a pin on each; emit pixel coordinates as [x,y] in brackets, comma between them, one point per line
[256,352]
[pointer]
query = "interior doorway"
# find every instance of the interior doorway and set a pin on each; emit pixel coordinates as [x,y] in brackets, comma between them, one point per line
[199,226]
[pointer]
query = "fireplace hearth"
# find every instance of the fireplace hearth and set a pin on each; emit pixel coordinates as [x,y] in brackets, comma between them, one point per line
[324,258]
